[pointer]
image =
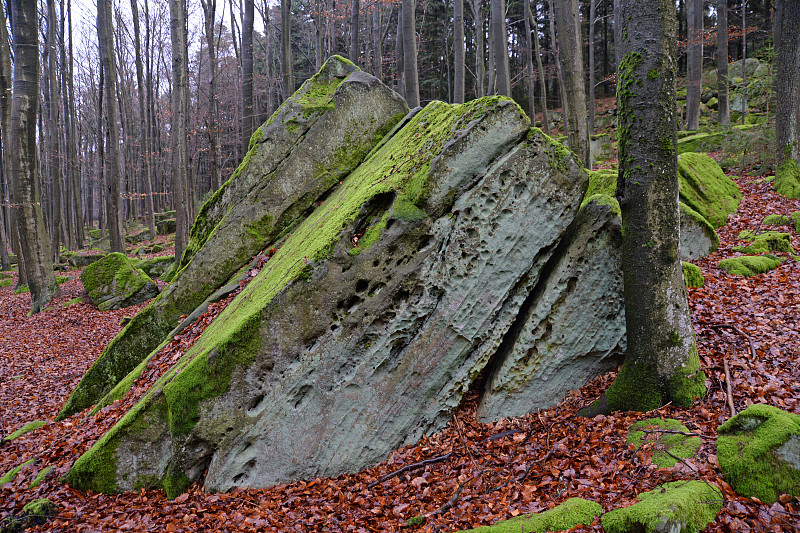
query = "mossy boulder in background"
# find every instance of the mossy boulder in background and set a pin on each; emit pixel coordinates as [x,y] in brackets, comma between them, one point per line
[571,513]
[762,243]
[82,259]
[692,275]
[787,179]
[698,236]
[157,266]
[749,265]
[667,448]
[114,283]
[137,237]
[675,507]
[759,452]
[705,188]
[776,220]
[166,226]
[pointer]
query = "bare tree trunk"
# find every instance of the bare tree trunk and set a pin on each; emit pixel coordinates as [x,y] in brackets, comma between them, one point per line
[592,17]
[500,40]
[179,102]
[319,27]
[209,12]
[34,246]
[661,363]
[744,56]
[411,74]
[50,106]
[545,117]
[554,44]
[694,62]
[526,15]
[72,138]
[398,50]
[787,94]
[5,133]
[722,63]
[480,47]
[248,125]
[458,51]
[286,48]
[569,53]
[107,59]
[491,86]
[377,54]
[354,30]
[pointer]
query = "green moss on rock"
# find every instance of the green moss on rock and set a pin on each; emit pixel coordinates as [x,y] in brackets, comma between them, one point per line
[41,507]
[776,220]
[27,428]
[787,179]
[770,241]
[603,199]
[9,476]
[685,506]
[667,448]
[573,512]
[759,452]
[749,265]
[692,275]
[41,476]
[114,283]
[705,188]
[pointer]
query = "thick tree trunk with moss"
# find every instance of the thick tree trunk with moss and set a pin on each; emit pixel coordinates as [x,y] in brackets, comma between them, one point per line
[787,96]
[723,106]
[661,363]
[570,58]
[33,242]
[694,62]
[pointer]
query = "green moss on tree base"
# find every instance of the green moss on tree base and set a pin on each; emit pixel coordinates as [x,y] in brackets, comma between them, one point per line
[667,448]
[692,275]
[573,512]
[749,265]
[759,452]
[685,506]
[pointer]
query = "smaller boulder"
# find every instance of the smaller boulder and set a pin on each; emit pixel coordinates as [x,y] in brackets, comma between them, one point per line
[692,275]
[82,259]
[675,507]
[166,226]
[157,266]
[759,452]
[749,265]
[114,283]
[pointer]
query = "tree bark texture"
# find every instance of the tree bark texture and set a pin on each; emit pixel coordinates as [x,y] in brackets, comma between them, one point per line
[661,363]
[723,105]
[179,100]
[209,16]
[287,65]
[105,37]
[410,73]
[354,49]
[51,106]
[500,42]
[34,245]
[554,48]
[526,15]
[480,49]
[787,84]
[458,51]
[6,212]
[542,83]
[248,118]
[694,62]
[592,17]
[569,53]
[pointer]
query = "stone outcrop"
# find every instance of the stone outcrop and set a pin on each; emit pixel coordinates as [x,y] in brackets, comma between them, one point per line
[114,282]
[295,160]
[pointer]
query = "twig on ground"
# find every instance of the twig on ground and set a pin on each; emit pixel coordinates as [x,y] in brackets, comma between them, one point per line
[412,466]
[728,387]
[450,503]
[740,332]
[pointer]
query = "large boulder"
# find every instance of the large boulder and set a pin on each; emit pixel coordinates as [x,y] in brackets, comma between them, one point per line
[369,324]
[114,282]
[296,159]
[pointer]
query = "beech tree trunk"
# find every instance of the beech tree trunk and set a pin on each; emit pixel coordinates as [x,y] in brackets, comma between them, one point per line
[500,42]
[377,54]
[51,105]
[526,15]
[398,51]
[6,213]
[542,83]
[178,128]
[480,49]
[694,62]
[458,51]
[554,45]
[248,120]
[661,363]
[787,87]
[105,37]
[569,53]
[723,105]
[592,17]
[286,49]
[354,49]
[72,138]
[34,246]
[410,73]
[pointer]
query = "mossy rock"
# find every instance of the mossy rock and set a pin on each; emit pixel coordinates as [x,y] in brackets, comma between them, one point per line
[158,266]
[571,513]
[668,448]
[139,236]
[692,275]
[9,476]
[763,243]
[759,452]
[698,236]
[705,188]
[41,476]
[795,216]
[776,220]
[156,248]
[166,215]
[749,265]
[678,506]
[787,179]
[114,283]
[166,226]
[95,234]
[38,511]
[27,428]
[84,259]
[6,282]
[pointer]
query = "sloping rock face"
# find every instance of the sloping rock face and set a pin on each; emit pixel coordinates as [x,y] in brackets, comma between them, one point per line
[368,325]
[114,283]
[296,159]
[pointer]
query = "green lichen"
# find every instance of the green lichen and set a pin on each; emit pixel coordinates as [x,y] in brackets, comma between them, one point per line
[706,189]
[787,179]
[652,74]
[770,241]
[6,282]
[692,275]
[686,506]
[573,512]
[41,507]
[43,473]
[749,450]
[74,301]
[27,428]
[749,265]
[776,220]
[9,476]
[667,448]
[603,199]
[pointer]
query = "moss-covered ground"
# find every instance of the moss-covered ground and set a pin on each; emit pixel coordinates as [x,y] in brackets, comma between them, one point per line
[667,449]
[750,265]
[569,514]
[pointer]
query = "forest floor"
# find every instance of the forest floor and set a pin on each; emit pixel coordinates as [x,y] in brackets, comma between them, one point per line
[482,473]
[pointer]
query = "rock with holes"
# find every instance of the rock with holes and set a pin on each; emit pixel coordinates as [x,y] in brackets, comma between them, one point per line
[295,160]
[370,322]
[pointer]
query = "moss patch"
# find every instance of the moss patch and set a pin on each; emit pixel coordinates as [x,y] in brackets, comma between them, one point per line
[667,448]
[9,476]
[27,428]
[686,506]
[705,188]
[6,282]
[749,265]
[43,473]
[759,452]
[787,179]
[604,199]
[776,220]
[600,182]
[692,275]
[114,282]
[569,514]
[770,241]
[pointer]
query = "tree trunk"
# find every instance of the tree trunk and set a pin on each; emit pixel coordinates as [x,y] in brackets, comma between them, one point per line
[178,128]
[34,246]
[569,53]
[319,27]
[787,87]
[354,30]
[661,363]
[286,48]
[248,125]
[50,106]
[6,214]
[744,55]
[592,17]
[398,50]
[72,139]
[377,54]
[500,40]
[554,45]
[410,74]
[526,10]
[458,51]
[105,37]
[545,117]
[723,105]
[480,48]
[694,62]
